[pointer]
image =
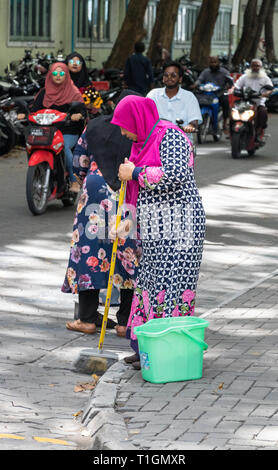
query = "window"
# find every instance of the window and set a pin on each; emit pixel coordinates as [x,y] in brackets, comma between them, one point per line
[222,26]
[30,20]
[185,24]
[93,20]
[149,19]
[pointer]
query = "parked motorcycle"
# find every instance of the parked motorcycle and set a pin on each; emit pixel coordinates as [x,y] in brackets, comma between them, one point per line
[7,134]
[114,76]
[242,122]
[208,97]
[109,100]
[47,178]
[11,107]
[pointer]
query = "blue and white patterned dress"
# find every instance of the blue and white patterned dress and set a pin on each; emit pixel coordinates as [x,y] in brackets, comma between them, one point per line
[172,230]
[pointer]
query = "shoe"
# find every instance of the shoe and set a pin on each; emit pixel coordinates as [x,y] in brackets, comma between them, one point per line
[131,359]
[121,330]
[136,365]
[259,140]
[75,187]
[78,325]
[110,323]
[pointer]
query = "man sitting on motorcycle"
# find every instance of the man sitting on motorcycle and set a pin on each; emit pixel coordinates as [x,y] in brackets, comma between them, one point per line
[256,78]
[221,77]
[173,102]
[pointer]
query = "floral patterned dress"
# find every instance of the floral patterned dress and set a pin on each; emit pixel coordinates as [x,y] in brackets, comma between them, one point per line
[172,230]
[91,248]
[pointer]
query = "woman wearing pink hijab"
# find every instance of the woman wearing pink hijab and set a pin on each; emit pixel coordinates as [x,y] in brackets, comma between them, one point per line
[60,93]
[161,185]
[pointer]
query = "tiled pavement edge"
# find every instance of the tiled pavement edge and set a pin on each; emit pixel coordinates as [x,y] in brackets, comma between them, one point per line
[233,406]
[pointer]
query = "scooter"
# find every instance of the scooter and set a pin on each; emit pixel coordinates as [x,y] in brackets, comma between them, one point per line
[242,122]
[272,101]
[192,137]
[47,178]
[211,112]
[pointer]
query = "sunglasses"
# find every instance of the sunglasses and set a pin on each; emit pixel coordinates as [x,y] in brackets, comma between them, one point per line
[172,75]
[77,62]
[55,73]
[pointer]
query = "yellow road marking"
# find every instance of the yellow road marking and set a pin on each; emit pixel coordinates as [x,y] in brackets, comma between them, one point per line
[53,441]
[39,439]
[11,436]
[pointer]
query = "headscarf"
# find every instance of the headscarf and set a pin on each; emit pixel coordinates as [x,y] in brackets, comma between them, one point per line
[64,93]
[108,147]
[140,116]
[80,79]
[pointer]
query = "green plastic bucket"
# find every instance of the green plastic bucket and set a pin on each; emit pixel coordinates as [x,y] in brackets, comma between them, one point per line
[171,349]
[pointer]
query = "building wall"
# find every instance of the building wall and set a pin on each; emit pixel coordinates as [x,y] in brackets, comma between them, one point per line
[61,33]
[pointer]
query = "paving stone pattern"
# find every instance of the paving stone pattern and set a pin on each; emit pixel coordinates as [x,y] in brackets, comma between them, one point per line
[234,405]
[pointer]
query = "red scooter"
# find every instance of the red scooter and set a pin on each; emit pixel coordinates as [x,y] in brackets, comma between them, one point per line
[47,178]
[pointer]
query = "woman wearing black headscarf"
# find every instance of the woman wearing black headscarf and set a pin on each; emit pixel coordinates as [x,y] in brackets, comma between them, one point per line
[97,156]
[78,71]
[80,77]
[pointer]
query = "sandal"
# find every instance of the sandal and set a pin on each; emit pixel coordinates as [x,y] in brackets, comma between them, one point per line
[136,365]
[131,359]
[121,331]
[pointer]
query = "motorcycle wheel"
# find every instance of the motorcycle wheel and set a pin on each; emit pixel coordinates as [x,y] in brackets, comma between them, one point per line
[34,188]
[7,138]
[203,129]
[236,145]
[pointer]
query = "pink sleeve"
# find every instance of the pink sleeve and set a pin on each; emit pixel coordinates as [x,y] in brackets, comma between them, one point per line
[150,176]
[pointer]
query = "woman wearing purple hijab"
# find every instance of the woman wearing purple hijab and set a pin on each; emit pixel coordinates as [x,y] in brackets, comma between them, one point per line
[161,185]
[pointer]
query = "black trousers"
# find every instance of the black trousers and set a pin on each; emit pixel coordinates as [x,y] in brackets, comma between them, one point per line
[261,118]
[89,302]
[224,102]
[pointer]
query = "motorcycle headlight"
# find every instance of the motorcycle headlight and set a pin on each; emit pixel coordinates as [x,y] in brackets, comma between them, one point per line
[45,119]
[235,114]
[246,115]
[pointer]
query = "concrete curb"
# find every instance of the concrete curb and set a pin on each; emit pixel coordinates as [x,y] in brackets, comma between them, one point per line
[100,418]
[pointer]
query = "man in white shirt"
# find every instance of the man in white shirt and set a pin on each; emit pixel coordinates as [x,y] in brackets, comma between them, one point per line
[173,102]
[256,78]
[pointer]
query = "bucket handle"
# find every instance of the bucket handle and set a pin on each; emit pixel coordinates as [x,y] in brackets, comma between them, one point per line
[197,340]
[185,332]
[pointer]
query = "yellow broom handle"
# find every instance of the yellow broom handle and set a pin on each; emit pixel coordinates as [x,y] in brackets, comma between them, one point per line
[112,267]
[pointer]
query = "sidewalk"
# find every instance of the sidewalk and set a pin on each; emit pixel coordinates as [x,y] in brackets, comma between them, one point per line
[234,406]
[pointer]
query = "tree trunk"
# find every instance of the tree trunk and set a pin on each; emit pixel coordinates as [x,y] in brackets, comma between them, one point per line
[260,21]
[201,39]
[132,30]
[249,24]
[163,29]
[268,32]
[252,30]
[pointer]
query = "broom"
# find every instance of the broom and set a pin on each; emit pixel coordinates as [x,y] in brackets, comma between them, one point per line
[112,268]
[97,361]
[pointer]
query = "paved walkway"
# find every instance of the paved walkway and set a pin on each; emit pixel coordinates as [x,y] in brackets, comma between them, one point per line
[233,406]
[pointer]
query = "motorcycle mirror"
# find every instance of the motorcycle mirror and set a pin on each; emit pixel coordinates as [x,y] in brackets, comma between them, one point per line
[179,122]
